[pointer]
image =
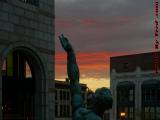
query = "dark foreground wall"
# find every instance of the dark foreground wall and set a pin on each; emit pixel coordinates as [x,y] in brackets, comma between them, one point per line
[27,27]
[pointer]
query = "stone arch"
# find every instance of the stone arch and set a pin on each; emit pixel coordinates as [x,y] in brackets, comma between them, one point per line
[37,63]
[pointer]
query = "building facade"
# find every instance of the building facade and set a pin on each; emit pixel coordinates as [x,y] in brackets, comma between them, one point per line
[27,59]
[106,115]
[63,109]
[135,87]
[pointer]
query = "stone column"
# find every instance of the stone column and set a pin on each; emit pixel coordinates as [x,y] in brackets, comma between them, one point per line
[113,91]
[50,102]
[138,95]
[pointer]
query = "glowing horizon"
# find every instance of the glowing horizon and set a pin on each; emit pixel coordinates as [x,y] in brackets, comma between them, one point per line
[94,67]
[92,82]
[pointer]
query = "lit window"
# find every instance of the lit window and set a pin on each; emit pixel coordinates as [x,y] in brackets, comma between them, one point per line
[125,100]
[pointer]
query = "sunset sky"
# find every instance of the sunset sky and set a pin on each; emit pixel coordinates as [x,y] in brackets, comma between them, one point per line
[100,29]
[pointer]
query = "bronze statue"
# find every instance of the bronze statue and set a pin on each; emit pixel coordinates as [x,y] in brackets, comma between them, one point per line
[101,100]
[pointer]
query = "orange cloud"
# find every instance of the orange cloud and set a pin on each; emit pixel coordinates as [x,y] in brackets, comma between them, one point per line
[87,58]
[93,65]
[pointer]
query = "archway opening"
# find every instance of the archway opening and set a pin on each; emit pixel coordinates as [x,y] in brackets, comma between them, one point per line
[18,87]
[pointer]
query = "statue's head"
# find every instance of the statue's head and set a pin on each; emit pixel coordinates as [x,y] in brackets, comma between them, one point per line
[102,100]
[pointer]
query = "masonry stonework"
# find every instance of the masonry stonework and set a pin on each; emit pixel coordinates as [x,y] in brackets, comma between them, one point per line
[30,28]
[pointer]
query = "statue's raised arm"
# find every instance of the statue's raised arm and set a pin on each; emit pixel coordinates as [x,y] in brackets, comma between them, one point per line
[73,74]
[65,44]
[72,68]
[100,101]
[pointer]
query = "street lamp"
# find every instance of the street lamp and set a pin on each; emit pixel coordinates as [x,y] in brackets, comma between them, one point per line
[122,115]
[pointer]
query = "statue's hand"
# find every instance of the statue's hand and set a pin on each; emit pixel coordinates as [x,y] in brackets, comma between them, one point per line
[65,43]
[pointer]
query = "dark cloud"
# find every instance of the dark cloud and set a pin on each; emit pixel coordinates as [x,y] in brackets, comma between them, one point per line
[102,8]
[106,25]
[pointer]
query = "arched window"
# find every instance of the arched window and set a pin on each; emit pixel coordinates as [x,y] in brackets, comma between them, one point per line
[151,100]
[18,86]
[125,99]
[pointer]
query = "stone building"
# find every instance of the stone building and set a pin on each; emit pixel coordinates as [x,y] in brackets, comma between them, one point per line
[135,87]
[27,59]
[63,109]
[106,115]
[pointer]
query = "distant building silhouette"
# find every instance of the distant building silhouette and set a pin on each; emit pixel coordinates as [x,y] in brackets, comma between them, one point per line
[63,99]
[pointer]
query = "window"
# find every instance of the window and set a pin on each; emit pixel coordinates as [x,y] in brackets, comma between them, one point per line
[65,110]
[131,95]
[61,95]
[158,112]
[64,95]
[150,95]
[125,95]
[150,102]
[61,110]
[32,2]
[131,113]
[68,111]
[16,65]
[18,88]
[151,113]
[56,110]
[125,65]
[68,95]
[146,94]
[56,93]
[125,100]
